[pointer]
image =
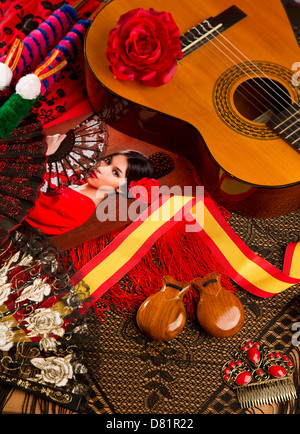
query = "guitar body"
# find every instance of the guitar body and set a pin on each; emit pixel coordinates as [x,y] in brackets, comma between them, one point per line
[215,108]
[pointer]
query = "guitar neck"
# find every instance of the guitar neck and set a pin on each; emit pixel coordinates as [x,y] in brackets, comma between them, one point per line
[210,28]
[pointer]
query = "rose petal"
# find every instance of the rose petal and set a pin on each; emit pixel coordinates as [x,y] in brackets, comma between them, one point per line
[162,77]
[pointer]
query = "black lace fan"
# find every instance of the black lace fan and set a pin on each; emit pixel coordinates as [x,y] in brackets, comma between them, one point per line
[82,148]
[22,169]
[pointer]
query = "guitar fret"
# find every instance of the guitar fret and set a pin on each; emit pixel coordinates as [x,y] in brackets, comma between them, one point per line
[198,40]
[293,132]
[289,128]
[209,29]
[296,141]
[292,115]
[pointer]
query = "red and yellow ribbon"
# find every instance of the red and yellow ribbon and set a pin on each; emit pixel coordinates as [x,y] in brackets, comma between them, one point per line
[14,54]
[39,71]
[247,269]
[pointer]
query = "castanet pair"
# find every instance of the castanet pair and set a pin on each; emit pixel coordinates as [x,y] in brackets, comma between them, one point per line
[162,316]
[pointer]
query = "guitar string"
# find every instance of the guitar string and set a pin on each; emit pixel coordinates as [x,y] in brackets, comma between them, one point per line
[232,60]
[248,60]
[244,72]
[259,69]
[297,137]
[237,90]
[292,115]
[209,40]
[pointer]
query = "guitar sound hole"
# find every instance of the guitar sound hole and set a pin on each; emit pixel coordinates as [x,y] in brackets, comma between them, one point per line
[259,99]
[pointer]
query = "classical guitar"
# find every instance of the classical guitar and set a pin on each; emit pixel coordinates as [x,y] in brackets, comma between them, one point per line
[232,106]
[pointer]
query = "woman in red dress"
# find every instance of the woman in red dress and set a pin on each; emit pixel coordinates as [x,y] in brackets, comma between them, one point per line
[66,208]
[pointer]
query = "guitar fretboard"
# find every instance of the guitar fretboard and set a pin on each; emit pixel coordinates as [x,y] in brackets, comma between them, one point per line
[209,29]
[287,125]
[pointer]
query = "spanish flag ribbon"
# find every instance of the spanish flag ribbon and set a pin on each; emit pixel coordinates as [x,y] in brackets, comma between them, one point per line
[244,267]
[110,265]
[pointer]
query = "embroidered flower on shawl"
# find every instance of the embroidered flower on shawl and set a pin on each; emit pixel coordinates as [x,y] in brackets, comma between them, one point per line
[4,270]
[145,190]
[55,370]
[35,292]
[48,344]
[4,292]
[43,322]
[6,335]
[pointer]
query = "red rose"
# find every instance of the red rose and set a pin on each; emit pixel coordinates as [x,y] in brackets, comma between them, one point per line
[145,190]
[145,46]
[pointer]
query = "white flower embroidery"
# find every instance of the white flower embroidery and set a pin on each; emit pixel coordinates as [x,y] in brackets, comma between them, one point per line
[36,291]
[43,322]
[26,260]
[5,286]
[4,292]
[48,344]
[6,336]
[55,370]
[4,270]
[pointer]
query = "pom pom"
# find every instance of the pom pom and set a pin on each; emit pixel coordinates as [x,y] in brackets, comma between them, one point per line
[5,76]
[29,87]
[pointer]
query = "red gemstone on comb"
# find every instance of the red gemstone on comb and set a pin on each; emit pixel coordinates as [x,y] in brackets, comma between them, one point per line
[243,378]
[253,355]
[277,371]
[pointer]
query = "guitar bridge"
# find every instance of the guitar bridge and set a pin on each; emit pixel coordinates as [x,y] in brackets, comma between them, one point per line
[209,29]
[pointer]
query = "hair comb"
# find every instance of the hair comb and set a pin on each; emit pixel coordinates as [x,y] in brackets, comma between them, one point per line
[259,375]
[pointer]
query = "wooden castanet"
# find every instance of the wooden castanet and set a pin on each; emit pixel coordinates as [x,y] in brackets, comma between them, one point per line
[162,316]
[219,312]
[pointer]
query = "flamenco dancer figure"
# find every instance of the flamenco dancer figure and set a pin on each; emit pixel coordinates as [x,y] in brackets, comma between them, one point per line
[22,144]
[70,206]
